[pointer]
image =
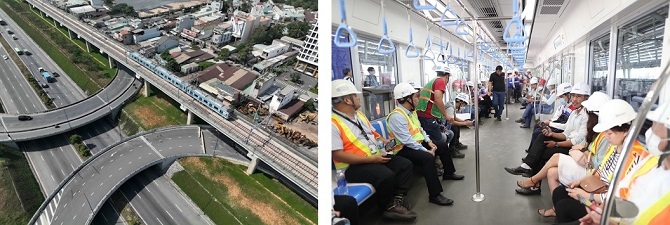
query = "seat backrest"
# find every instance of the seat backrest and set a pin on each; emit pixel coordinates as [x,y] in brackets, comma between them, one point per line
[380,127]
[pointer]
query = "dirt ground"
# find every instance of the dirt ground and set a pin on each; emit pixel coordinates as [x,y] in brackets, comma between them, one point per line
[309,130]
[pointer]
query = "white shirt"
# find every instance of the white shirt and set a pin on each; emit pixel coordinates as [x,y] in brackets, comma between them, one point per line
[648,188]
[575,127]
[557,113]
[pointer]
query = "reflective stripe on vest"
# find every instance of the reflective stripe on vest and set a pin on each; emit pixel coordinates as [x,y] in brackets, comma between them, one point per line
[413,125]
[637,152]
[657,214]
[424,98]
[351,144]
[646,165]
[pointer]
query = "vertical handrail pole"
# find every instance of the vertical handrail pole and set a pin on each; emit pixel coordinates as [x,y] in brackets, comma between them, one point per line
[478,196]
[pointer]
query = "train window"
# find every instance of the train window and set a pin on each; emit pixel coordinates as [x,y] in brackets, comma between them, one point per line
[639,46]
[379,75]
[600,57]
[567,64]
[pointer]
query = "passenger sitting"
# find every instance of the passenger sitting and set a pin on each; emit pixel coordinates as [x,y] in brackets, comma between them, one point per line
[546,105]
[648,184]
[531,93]
[561,168]
[485,102]
[549,143]
[615,118]
[461,102]
[354,148]
[413,143]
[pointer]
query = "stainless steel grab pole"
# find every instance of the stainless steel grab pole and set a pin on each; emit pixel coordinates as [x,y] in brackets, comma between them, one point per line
[478,196]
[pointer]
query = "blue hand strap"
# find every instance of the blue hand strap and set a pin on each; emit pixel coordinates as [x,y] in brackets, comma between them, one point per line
[428,50]
[442,57]
[460,28]
[411,45]
[418,6]
[385,37]
[444,16]
[353,40]
[520,34]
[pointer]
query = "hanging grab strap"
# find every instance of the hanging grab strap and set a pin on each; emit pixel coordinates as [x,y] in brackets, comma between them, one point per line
[442,57]
[460,28]
[418,6]
[444,15]
[386,38]
[428,50]
[353,40]
[411,45]
[520,35]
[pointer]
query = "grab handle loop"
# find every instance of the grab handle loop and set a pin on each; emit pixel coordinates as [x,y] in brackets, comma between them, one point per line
[353,40]
[519,36]
[428,50]
[418,6]
[444,15]
[385,37]
[442,57]
[411,45]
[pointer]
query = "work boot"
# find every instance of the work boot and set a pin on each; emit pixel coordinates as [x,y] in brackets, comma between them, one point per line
[455,153]
[397,210]
[521,120]
[460,146]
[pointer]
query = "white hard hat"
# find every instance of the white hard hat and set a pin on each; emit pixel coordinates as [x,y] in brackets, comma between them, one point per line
[516,70]
[509,71]
[416,85]
[614,113]
[533,80]
[402,90]
[581,89]
[342,88]
[596,100]
[442,68]
[470,84]
[463,97]
[551,82]
[563,89]
[661,114]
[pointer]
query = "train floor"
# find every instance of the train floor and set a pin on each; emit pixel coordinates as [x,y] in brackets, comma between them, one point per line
[502,144]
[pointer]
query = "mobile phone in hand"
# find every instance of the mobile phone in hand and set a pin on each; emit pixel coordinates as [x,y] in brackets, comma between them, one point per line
[590,204]
[389,146]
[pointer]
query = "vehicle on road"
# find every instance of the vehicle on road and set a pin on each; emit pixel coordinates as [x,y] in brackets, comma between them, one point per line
[25,117]
[25,51]
[18,51]
[47,76]
[5,57]
[9,31]
[43,85]
[14,37]
[55,74]
[2,22]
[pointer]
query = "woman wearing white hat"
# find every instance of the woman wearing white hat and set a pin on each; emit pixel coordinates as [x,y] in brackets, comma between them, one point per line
[615,118]
[648,184]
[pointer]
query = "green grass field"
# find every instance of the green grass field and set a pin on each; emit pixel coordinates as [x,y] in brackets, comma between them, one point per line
[225,193]
[20,195]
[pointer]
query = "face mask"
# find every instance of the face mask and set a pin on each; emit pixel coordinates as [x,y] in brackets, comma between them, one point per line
[652,143]
[562,101]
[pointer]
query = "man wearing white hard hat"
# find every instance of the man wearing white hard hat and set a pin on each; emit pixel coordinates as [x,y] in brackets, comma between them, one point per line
[430,108]
[460,102]
[529,111]
[413,143]
[531,92]
[549,143]
[557,121]
[355,148]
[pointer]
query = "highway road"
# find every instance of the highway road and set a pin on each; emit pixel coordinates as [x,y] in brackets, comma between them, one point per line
[17,94]
[94,183]
[64,90]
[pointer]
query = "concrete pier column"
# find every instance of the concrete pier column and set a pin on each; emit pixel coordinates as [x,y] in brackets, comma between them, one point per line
[112,62]
[88,46]
[252,165]
[69,33]
[189,118]
[146,90]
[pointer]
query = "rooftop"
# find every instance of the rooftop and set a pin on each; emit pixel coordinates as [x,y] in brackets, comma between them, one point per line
[236,77]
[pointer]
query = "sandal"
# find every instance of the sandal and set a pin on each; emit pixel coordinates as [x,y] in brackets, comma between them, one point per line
[533,183]
[543,213]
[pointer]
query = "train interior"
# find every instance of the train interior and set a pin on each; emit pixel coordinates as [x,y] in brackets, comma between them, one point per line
[614,46]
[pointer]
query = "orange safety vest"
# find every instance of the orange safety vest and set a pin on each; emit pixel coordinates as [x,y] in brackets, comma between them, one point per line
[637,153]
[350,143]
[659,212]
[413,125]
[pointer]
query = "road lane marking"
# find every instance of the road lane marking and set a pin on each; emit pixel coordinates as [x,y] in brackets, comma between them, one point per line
[110,175]
[178,208]
[169,214]
[52,177]
[42,158]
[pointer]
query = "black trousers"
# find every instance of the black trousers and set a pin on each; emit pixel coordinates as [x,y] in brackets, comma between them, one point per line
[457,134]
[347,207]
[388,179]
[539,154]
[427,162]
[538,131]
[432,128]
[567,208]
[486,105]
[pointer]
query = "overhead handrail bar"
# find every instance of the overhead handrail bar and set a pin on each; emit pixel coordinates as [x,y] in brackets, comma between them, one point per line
[385,36]
[353,40]
[418,6]
[411,41]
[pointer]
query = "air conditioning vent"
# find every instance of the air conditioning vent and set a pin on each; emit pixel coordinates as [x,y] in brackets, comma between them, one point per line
[488,12]
[496,24]
[553,2]
[550,10]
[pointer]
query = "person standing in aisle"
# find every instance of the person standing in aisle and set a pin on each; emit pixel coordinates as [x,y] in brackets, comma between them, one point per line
[431,109]
[355,149]
[348,75]
[497,91]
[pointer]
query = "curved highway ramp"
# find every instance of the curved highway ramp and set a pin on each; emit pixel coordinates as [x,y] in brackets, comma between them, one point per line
[81,195]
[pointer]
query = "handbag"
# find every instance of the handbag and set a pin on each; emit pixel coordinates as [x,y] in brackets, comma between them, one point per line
[593,184]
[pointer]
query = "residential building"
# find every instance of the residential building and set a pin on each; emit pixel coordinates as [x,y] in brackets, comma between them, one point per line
[124,36]
[244,24]
[308,58]
[221,34]
[236,77]
[194,56]
[294,43]
[276,48]
[189,68]
[145,34]
[160,45]
[184,22]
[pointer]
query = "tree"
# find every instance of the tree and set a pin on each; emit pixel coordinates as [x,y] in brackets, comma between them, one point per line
[165,55]
[109,2]
[172,65]
[298,29]
[75,138]
[224,53]
[295,77]
[204,65]
[245,7]
[309,105]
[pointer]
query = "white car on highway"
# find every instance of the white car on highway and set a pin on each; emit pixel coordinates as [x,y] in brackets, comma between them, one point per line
[5,57]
